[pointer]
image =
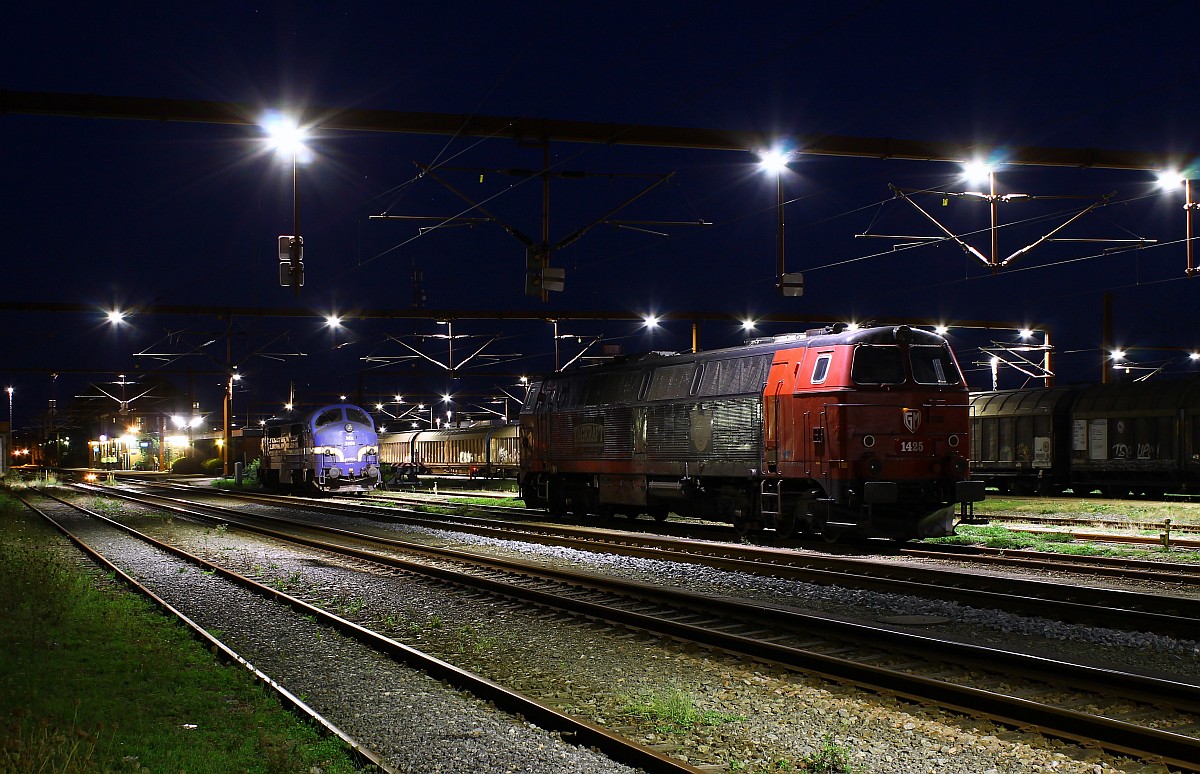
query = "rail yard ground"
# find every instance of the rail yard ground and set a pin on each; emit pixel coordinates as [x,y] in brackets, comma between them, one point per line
[844,732]
[93,678]
[1180,512]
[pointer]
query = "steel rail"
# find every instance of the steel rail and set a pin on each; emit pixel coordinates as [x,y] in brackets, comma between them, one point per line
[1139,741]
[362,753]
[1182,574]
[1087,604]
[1112,608]
[613,745]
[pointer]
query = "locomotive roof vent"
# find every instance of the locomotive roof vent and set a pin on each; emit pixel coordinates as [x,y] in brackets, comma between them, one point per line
[828,329]
[778,339]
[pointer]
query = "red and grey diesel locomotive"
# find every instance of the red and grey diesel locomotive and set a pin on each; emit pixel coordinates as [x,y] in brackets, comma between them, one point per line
[837,432]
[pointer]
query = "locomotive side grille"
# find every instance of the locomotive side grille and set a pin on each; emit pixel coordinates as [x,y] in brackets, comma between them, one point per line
[594,433]
[722,430]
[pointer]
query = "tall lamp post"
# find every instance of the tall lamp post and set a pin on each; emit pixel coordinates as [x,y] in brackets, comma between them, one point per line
[1173,179]
[5,447]
[775,162]
[225,455]
[287,138]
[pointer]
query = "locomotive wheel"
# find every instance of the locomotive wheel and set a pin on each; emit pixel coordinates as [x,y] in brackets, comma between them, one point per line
[746,525]
[841,536]
[795,527]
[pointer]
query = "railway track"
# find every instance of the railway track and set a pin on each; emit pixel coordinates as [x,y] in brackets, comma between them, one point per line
[1110,566]
[1176,537]
[880,658]
[1179,574]
[1090,605]
[86,528]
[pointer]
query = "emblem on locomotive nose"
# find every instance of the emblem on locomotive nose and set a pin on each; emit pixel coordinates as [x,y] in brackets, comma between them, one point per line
[912,419]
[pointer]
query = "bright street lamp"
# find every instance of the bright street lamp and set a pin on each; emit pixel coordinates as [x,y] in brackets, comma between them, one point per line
[775,162]
[1172,179]
[287,137]
[234,376]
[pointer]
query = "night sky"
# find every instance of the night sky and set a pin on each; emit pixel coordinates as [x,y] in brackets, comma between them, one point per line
[117,213]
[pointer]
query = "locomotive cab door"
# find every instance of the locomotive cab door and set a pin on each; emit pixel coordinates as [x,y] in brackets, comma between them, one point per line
[773,408]
[816,435]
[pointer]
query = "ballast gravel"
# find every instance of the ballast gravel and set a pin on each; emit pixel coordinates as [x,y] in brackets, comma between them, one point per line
[748,717]
[415,722]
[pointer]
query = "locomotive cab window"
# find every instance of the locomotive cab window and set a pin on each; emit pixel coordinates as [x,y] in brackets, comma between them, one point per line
[359,416]
[328,417]
[874,364]
[933,365]
[821,368]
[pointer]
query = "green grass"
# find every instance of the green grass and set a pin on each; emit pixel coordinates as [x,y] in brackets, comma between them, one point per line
[1116,510]
[94,679]
[830,758]
[674,711]
[249,478]
[1002,537]
[486,502]
[1054,542]
[20,479]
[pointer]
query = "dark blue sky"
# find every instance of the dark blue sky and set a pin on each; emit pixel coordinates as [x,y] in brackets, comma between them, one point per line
[127,212]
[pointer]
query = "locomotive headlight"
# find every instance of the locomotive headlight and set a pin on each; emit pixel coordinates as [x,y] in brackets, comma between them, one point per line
[874,466]
[960,465]
[333,473]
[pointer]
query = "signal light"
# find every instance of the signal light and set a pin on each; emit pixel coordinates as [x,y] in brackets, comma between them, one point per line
[291,260]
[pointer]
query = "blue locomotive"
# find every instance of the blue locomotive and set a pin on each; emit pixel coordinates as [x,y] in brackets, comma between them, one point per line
[332,449]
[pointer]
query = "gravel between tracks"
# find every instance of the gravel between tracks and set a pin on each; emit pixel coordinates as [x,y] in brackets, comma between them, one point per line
[417,723]
[764,719]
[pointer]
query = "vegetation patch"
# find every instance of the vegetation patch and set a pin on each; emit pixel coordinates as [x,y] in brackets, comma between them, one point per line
[488,502]
[829,758]
[94,678]
[1001,537]
[993,536]
[1132,511]
[18,479]
[250,479]
[674,711]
